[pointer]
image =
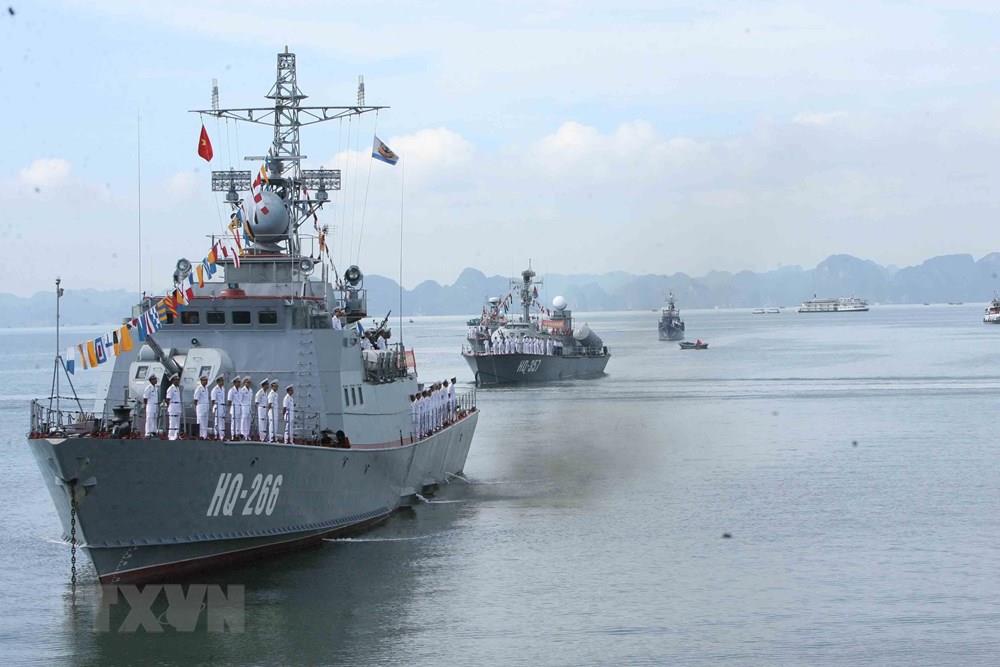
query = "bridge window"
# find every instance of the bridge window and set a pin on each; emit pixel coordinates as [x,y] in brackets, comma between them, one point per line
[189,317]
[361,397]
[215,317]
[354,399]
[140,372]
[267,317]
[241,317]
[168,317]
[347,400]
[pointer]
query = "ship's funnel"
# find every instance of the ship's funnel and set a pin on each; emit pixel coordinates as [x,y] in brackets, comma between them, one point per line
[587,338]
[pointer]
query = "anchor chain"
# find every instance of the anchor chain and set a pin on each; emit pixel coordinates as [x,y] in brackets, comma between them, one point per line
[72,537]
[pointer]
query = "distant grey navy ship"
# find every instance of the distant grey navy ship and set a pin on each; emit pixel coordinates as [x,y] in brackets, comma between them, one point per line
[530,348]
[671,325]
[154,508]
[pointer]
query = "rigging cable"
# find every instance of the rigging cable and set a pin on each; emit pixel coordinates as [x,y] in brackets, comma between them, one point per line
[343,203]
[354,192]
[364,206]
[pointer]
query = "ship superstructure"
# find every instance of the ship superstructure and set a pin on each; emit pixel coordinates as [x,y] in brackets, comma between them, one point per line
[991,315]
[671,326]
[531,347]
[151,508]
[851,304]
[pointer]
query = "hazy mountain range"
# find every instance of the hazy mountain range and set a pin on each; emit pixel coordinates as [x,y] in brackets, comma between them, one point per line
[939,279]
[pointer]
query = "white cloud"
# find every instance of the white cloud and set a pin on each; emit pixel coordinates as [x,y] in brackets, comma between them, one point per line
[818,118]
[45,172]
[185,184]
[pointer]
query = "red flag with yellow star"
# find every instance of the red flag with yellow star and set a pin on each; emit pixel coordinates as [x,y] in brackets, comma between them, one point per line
[205,145]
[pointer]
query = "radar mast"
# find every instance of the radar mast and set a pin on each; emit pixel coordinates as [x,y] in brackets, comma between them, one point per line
[285,177]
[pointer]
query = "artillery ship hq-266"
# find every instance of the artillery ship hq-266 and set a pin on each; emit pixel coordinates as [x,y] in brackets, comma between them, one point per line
[505,350]
[153,508]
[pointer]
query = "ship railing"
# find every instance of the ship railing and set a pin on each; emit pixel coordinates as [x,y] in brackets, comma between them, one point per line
[47,420]
[306,426]
[308,245]
[352,302]
[465,402]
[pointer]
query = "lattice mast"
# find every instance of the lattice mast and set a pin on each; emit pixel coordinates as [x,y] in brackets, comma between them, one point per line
[526,289]
[283,162]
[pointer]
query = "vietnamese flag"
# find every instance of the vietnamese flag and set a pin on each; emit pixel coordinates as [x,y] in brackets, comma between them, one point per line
[205,145]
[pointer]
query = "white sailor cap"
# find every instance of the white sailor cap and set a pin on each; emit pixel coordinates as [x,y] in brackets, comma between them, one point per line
[237,378]
[289,387]
[264,382]
[203,377]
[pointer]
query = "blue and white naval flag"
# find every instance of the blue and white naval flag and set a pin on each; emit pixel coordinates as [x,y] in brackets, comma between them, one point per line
[382,152]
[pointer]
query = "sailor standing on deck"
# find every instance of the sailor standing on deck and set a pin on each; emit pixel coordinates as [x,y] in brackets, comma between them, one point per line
[218,397]
[235,406]
[151,402]
[260,398]
[446,401]
[422,412]
[272,415]
[414,422]
[246,403]
[335,321]
[288,412]
[452,412]
[201,401]
[174,407]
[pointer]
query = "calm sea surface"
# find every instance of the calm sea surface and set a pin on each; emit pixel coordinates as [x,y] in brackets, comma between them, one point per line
[854,459]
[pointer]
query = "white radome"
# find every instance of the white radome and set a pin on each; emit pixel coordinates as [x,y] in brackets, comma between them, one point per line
[559,303]
[266,226]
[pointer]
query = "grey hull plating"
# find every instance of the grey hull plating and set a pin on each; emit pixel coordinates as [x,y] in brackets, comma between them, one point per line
[502,369]
[672,334]
[147,508]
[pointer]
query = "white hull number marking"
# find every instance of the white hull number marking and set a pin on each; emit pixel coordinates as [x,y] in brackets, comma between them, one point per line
[261,497]
[528,366]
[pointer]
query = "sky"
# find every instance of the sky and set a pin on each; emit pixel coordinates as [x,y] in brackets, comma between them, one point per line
[651,137]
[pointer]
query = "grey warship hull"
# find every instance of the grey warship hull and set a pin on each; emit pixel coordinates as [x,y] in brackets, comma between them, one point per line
[510,369]
[673,333]
[155,509]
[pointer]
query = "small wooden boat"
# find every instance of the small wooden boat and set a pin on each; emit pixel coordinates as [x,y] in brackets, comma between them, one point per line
[697,345]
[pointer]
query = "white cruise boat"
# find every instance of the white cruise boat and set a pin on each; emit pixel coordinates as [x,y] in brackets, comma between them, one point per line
[840,305]
[992,313]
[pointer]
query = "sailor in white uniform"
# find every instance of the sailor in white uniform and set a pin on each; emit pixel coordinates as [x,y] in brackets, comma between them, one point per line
[174,407]
[288,413]
[246,404]
[452,405]
[151,402]
[414,417]
[273,411]
[446,401]
[218,397]
[260,398]
[422,412]
[335,321]
[235,406]
[201,404]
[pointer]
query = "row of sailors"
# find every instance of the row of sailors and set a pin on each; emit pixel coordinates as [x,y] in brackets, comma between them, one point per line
[433,408]
[521,345]
[213,406]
